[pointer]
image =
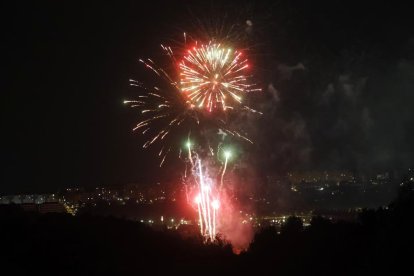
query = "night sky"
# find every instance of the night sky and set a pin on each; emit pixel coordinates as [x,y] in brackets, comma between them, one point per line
[338,80]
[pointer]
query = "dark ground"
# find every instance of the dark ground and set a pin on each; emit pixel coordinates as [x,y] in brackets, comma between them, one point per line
[55,244]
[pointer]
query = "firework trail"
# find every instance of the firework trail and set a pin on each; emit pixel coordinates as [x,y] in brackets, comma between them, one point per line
[207,198]
[207,204]
[227,155]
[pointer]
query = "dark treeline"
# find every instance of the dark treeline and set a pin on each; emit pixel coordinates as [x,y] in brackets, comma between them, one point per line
[55,244]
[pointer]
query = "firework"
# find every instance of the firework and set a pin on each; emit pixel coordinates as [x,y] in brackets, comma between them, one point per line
[160,115]
[194,100]
[209,77]
[212,76]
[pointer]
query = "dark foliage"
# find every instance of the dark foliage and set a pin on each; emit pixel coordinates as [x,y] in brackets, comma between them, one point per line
[55,244]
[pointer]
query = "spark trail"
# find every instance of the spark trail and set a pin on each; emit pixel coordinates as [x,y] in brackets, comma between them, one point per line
[208,203]
[227,155]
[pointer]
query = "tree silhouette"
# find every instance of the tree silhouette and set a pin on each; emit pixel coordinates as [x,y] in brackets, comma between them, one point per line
[293,225]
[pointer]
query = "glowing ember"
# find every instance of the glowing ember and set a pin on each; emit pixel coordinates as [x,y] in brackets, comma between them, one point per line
[215,204]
